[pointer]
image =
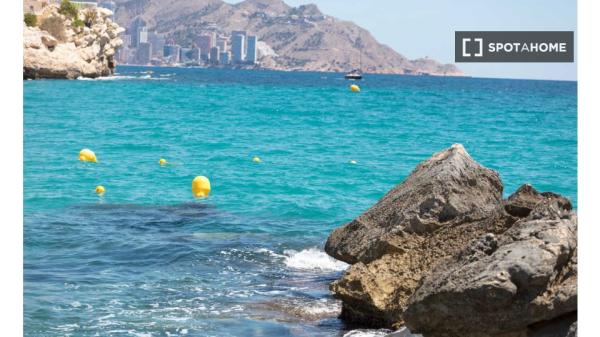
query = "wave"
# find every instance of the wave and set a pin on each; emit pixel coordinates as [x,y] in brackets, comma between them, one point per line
[312,259]
[307,259]
[367,333]
[402,332]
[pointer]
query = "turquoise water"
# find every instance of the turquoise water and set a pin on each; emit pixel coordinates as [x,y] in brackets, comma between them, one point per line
[146,259]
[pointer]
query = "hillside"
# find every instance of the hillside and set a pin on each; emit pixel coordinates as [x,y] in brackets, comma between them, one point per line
[302,38]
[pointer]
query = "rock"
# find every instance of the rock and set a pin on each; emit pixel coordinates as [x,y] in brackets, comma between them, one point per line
[32,38]
[104,39]
[572,330]
[109,52]
[446,190]
[49,41]
[104,12]
[443,254]
[565,326]
[526,198]
[528,280]
[80,55]
[116,43]
[111,33]
[445,203]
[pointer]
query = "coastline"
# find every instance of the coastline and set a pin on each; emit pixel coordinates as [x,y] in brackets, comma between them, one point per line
[341,73]
[258,68]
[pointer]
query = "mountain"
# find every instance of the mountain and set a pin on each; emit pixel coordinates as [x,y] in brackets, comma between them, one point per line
[293,38]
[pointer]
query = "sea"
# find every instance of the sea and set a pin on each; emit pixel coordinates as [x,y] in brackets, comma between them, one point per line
[147,259]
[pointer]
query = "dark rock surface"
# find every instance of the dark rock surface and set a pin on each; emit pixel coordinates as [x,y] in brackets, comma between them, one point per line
[529,278]
[443,254]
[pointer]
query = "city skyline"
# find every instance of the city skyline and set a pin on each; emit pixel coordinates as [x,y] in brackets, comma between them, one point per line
[426,29]
[209,48]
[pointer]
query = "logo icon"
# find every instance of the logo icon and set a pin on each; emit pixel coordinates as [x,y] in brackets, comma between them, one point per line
[479,41]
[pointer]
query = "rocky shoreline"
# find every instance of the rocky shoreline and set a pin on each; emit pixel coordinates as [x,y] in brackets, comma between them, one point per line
[71,47]
[444,255]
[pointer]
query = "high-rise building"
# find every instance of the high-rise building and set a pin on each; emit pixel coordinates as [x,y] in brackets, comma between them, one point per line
[171,53]
[238,48]
[183,55]
[251,49]
[195,54]
[225,57]
[215,55]
[189,55]
[122,55]
[158,43]
[142,34]
[126,40]
[205,42]
[222,44]
[144,53]
[134,29]
[238,32]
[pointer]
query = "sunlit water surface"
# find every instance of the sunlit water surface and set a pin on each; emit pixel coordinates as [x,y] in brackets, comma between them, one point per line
[146,259]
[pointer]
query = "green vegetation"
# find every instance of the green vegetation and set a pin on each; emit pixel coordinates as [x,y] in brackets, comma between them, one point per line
[69,9]
[77,23]
[30,19]
[90,17]
[55,26]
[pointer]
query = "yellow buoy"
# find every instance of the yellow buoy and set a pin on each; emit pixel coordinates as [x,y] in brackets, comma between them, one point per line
[100,189]
[162,161]
[354,88]
[200,187]
[87,155]
[256,159]
[353,162]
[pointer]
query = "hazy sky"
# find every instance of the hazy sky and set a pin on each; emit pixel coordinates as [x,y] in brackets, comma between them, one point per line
[417,28]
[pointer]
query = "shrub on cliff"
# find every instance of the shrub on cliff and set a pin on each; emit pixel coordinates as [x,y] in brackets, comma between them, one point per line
[77,23]
[90,17]
[30,19]
[55,26]
[69,9]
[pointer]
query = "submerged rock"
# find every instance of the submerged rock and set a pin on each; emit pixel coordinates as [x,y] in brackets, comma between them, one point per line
[75,51]
[445,255]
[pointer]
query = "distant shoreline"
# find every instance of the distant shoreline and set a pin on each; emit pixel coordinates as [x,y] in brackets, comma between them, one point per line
[257,68]
[334,72]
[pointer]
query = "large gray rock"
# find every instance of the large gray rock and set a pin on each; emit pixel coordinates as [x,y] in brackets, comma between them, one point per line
[448,189]
[511,287]
[443,254]
[446,202]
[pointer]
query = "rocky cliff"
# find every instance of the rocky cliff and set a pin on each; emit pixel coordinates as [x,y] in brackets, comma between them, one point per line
[301,38]
[70,47]
[443,254]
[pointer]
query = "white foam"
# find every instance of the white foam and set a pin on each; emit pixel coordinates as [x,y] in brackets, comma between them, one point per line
[367,333]
[323,307]
[312,259]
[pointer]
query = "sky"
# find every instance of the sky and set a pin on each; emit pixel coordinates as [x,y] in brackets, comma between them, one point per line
[419,28]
